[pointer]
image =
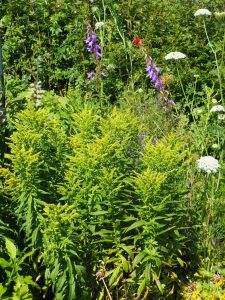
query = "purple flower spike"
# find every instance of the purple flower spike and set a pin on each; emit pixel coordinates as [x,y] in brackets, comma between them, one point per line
[153,74]
[90,75]
[92,43]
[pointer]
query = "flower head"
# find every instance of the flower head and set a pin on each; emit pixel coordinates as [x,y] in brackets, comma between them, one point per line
[208,164]
[175,55]
[98,25]
[202,12]
[92,43]
[152,73]
[217,108]
[90,75]
[137,41]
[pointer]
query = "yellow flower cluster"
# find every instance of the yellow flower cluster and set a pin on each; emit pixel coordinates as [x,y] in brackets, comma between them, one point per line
[205,290]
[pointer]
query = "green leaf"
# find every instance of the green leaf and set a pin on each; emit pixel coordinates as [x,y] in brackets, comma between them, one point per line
[80,270]
[128,249]
[27,280]
[135,225]
[158,283]
[205,273]
[11,248]
[103,232]
[25,256]
[167,229]
[55,271]
[114,276]
[138,258]
[4,263]
[2,290]
[177,232]
[99,213]
[181,262]
[141,287]
[125,263]
[72,284]
[61,282]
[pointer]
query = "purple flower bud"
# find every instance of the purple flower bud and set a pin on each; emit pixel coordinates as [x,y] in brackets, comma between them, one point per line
[90,75]
[98,55]
[159,86]
[141,137]
[97,47]
[103,73]
[154,141]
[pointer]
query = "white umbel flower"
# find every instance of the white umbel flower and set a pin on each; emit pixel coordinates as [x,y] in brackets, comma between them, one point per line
[175,55]
[202,12]
[208,164]
[99,25]
[217,108]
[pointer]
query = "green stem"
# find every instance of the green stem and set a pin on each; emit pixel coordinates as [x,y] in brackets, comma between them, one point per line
[192,103]
[193,99]
[181,84]
[219,176]
[222,55]
[216,60]
[121,34]
[102,29]
[209,221]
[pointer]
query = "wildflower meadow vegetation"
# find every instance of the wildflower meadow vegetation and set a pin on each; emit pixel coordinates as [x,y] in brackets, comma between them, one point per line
[112,130]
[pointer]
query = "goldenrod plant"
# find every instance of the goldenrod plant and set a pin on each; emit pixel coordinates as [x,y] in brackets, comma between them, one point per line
[112,150]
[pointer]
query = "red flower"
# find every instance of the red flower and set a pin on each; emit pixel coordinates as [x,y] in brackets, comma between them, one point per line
[137,41]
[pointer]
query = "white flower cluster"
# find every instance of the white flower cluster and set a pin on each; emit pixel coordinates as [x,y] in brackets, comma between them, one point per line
[36,92]
[175,55]
[208,164]
[202,12]
[99,25]
[217,108]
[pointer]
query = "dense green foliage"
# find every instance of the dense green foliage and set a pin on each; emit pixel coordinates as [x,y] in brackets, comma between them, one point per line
[101,194]
[82,199]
